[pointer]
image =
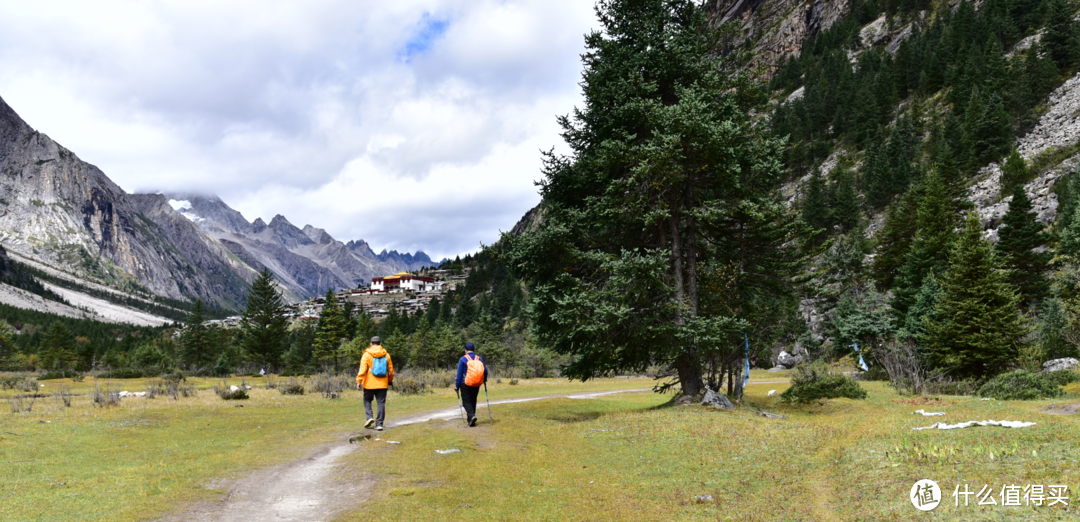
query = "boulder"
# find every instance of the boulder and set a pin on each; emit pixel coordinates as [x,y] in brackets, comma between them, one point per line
[716,400]
[1068,363]
[787,360]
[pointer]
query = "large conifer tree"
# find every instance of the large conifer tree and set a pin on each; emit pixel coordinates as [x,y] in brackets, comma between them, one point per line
[330,331]
[977,327]
[264,325]
[197,340]
[1020,236]
[935,223]
[664,161]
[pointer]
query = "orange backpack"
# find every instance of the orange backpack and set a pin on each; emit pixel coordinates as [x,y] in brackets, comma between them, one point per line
[474,373]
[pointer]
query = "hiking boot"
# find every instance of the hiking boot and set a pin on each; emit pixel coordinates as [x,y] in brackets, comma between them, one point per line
[369,423]
[378,428]
[472,422]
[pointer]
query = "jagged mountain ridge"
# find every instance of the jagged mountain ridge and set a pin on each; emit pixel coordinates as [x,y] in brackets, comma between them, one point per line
[306,260]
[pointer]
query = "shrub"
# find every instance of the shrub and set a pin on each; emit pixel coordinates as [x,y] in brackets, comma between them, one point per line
[1021,385]
[815,382]
[18,404]
[1062,377]
[231,393]
[58,374]
[13,382]
[291,388]
[124,373]
[176,386]
[409,383]
[513,382]
[65,395]
[155,388]
[105,397]
[330,385]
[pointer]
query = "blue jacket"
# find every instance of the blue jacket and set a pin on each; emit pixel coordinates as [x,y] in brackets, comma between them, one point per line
[462,368]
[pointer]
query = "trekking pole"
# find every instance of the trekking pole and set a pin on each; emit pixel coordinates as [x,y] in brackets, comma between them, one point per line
[460,407]
[488,399]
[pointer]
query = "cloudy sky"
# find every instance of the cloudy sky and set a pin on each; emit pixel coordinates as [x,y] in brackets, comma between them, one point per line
[410,124]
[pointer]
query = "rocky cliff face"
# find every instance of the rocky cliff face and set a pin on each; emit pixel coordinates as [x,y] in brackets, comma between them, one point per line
[66,212]
[776,29]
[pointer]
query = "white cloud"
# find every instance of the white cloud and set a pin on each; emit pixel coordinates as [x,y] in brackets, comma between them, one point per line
[326,112]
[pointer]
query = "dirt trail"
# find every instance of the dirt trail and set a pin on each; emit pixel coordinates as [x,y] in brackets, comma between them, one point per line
[316,487]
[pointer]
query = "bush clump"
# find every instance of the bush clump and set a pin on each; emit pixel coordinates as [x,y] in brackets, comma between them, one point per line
[291,388]
[231,393]
[1062,377]
[1021,385]
[330,385]
[410,384]
[815,382]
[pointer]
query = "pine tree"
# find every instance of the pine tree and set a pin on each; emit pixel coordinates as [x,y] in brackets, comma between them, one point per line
[1020,236]
[264,324]
[7,342]
[815,205]
[1069,243]
[935,222]
[365,326]
[1060,33]
[922,310]
[875,174]
[58,348]
[1014,172]
[433,311]
[845,202]
[197,340]
[330,333]
[893,241]
[977,328]
[901,152]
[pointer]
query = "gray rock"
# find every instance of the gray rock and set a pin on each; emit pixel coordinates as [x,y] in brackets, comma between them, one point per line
[716,400]
[787,360]
[1067,363]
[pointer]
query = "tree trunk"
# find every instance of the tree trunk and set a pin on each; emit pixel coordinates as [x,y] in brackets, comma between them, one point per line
[691,258]
[686,364]
[689,374]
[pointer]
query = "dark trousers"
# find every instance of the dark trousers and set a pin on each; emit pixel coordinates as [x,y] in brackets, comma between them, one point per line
[469,394]
[380,397]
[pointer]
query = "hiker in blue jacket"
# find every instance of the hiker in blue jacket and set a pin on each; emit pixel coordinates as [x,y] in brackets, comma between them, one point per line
[471,375]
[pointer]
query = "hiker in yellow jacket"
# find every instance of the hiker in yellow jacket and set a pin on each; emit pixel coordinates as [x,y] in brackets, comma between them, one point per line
[376,374]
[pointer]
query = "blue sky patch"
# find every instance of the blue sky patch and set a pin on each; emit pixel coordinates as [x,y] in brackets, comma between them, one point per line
[430,30]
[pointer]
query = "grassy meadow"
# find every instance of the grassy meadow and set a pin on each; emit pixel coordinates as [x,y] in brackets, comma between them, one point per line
[634,456]
[143,458]
[639,457]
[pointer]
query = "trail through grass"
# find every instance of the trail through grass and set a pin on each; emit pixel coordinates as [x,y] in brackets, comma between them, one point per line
[148,456]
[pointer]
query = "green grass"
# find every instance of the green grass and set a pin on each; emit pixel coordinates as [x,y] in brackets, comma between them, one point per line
[621,457]
[637,457]
[145,457]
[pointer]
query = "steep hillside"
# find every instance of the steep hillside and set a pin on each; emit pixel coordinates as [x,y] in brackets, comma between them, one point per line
[62,210]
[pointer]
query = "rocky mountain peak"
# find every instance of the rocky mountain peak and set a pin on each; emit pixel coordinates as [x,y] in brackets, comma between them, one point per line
[318,235]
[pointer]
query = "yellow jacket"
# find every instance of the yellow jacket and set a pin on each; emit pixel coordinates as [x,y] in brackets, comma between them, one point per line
[365,378]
